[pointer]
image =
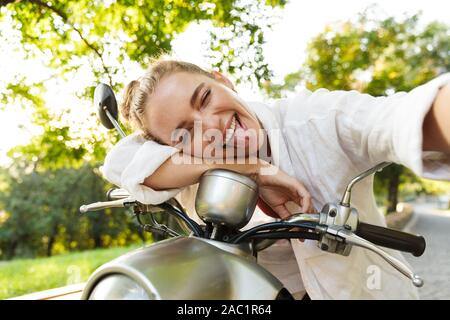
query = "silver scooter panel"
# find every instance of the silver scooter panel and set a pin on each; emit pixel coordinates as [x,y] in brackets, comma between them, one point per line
[188,268]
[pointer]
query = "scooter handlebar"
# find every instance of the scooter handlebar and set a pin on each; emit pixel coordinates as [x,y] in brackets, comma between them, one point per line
[394,239]
[120,203]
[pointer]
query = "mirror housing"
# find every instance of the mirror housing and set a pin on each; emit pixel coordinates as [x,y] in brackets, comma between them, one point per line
[105,101]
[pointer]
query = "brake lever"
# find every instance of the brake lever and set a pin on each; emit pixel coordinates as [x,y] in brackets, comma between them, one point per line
[351,238]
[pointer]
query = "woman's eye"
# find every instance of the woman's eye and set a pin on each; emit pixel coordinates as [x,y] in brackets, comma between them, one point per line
[205,98]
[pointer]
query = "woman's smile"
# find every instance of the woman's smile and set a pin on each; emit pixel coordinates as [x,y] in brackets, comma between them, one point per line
[237,133]
[229,132]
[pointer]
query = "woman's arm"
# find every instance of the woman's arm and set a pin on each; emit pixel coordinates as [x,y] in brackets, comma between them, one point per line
[371,130]
[436,126]
[185,171]
[154,173]
[276,188]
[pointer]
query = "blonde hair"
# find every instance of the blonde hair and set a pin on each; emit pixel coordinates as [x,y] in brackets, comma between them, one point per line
[137,92]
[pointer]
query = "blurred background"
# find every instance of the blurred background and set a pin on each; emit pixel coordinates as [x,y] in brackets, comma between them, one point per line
[53,53]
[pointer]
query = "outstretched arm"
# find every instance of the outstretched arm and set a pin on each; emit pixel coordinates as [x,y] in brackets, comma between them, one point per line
[395,128]
[436,127]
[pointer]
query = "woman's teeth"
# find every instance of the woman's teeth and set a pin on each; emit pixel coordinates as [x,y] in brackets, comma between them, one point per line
[230,131]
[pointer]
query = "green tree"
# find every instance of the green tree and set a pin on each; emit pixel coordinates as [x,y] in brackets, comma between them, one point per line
[41,211]
[375,56]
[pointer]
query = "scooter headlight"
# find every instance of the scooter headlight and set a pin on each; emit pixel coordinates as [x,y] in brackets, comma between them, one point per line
[118,287]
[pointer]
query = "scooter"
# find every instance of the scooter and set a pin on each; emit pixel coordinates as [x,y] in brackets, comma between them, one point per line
[216,259]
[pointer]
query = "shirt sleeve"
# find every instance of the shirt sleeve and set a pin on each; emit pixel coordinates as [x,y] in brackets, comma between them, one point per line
[391,129]
[131,161]
[388,128]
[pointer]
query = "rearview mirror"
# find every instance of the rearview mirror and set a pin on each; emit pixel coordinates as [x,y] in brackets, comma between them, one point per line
[105,100]
[106,104]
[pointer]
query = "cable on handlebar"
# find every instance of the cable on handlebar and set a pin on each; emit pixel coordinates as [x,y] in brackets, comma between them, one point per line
[160,229]
[196,229]
[285,235]
[272,226]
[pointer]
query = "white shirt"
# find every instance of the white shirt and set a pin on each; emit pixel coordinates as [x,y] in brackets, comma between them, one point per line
[323,138]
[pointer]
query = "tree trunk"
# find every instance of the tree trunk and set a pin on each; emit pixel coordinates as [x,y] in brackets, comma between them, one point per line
[98,222]
[394,182]
[97,240]
[51,240]
[12,249]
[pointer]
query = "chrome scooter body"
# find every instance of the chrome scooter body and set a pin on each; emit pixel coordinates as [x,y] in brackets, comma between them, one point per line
[185,268]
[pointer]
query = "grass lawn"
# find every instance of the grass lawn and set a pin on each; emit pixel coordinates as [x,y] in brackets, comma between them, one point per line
[22,276]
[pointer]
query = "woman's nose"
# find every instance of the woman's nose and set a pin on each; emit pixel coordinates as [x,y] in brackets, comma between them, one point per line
[210,125]
[209,121]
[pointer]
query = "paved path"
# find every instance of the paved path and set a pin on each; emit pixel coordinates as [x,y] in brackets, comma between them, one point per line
[434,264]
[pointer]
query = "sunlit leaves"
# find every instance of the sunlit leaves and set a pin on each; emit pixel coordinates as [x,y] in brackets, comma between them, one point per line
[141,29]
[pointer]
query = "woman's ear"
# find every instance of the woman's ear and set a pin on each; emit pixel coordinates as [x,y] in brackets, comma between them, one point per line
[223,79]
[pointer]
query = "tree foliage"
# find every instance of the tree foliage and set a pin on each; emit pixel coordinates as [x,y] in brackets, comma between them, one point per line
[107,34]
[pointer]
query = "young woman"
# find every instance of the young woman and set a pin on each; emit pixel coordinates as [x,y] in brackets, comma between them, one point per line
[301,151]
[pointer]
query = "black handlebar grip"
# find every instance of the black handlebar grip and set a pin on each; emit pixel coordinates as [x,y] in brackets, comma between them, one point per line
[393,239]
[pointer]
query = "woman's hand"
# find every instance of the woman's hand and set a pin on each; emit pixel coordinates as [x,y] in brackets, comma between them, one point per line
[278,188]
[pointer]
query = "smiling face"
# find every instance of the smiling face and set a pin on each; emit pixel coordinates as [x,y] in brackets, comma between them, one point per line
[203,116]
